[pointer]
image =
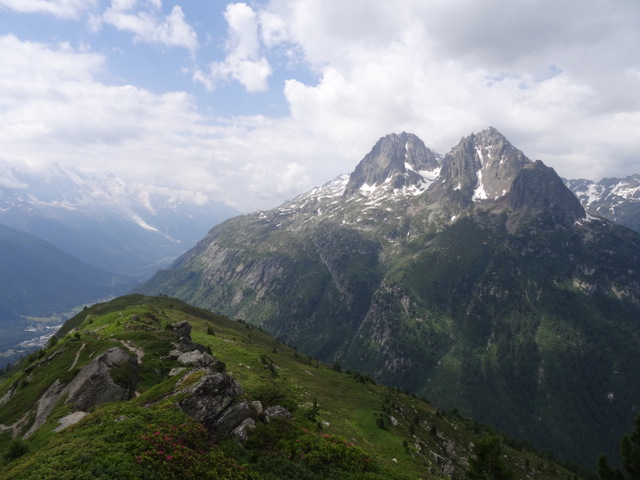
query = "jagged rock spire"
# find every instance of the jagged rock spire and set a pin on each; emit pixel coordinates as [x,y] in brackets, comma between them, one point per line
[395,159]
[482,165]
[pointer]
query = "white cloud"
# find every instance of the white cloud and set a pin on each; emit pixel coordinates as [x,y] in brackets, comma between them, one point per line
[58,8]
[150,25]
[442,69]
[243,62]
[55,109]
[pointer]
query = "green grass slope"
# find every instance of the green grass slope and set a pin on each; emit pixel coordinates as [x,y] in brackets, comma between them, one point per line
[345,425]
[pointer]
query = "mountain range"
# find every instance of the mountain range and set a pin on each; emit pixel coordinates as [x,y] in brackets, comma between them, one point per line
[126,229]
[476,279]
[617,199]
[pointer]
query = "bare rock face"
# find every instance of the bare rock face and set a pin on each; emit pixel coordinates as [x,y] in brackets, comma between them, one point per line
[45,405]
[538,188]
[395,159]
[94,384]
[211,401]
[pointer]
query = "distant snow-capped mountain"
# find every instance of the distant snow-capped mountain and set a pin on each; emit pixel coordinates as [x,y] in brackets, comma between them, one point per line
[617,199]
[104,221]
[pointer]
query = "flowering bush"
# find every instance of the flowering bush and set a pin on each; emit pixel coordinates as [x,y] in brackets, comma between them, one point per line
[183,451]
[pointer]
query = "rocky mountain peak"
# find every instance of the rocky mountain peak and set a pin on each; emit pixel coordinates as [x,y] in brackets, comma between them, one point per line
[396,161]
[538,188]
[482,166]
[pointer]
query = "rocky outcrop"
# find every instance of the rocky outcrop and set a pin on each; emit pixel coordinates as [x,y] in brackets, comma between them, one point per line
[214,401]
[189,353]
[92,386]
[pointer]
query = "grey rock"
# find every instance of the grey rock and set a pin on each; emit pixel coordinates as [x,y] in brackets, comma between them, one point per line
[538,188]
[241,432]
[69,420]
[185,344]
[209,398]
[93,385]
[45,405]
[183,329]
[277,412]
[257,406]
[196,358]
[231,419]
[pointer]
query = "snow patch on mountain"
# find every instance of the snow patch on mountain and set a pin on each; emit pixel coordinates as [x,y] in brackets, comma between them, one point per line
[479,193]
[627,191]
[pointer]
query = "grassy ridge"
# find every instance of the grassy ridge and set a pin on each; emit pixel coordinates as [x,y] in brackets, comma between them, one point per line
[344,413]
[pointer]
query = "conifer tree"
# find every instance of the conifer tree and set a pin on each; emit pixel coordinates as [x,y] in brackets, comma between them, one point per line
[630,453]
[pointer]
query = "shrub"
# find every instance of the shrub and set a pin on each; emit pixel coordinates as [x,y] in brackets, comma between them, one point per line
[320,452]
[15,449]
[183,451]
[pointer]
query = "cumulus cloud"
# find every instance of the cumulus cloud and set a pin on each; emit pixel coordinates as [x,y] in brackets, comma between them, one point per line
[243,62]
[149,25]
[58,8]
[53,109]
[534,69]
[51,94]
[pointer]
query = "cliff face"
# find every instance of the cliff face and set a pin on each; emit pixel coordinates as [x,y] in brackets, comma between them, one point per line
[537,189]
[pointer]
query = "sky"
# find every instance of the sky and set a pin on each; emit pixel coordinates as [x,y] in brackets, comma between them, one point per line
[252,103]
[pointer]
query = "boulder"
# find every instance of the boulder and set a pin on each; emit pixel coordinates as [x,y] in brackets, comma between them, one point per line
[183,329]
[94,386]
[241,432]
[209,398]
[196,358]
[276,412]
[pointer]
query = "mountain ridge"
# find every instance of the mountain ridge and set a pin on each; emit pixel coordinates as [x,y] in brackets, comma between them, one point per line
[191,394]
